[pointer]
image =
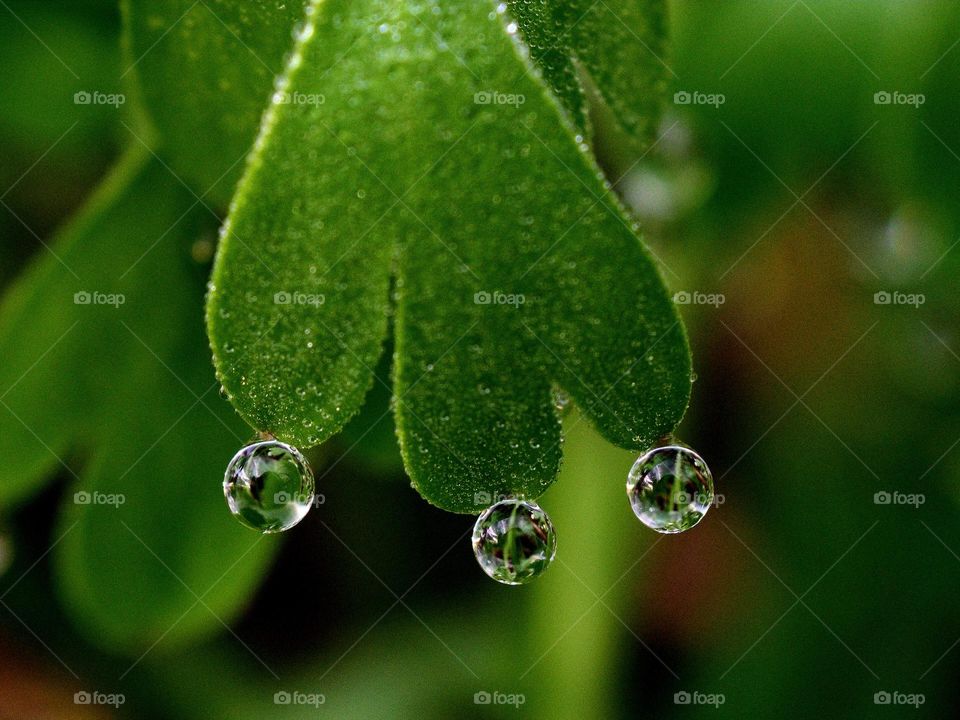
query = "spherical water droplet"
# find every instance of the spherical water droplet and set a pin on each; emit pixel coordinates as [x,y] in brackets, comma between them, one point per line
[561,401]
[670,488]
[269,486]
[514,541]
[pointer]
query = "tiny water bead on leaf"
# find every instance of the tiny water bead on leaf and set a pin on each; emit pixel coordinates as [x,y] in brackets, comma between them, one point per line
[514,541]
[670,488]
[269,486]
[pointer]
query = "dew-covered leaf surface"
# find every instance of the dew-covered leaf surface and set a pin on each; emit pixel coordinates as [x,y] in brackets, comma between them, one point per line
[618,45]
[418,137]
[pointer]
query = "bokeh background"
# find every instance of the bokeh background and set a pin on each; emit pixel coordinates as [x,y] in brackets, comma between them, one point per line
[783,194]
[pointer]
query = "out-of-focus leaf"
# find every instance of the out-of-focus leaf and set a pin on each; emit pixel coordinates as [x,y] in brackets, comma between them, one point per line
[206,71]
[524,275]
[105,354]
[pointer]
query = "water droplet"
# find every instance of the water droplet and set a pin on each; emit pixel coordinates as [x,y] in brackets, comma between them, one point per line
[269,486]
[514,541]
[561,401]
[670,488]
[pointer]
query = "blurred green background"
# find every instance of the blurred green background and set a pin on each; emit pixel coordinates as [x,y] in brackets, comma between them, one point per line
[787,187]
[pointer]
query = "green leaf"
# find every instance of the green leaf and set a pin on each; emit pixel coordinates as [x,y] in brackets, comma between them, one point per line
[105,354]
[207,70]
[618,45]
[53,349]
[403,165]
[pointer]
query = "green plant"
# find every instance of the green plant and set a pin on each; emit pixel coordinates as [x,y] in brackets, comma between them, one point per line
[418,165]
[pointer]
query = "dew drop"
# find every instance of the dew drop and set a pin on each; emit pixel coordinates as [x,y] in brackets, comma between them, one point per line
[514,541]
[670,488]
[269,486]
[561,402]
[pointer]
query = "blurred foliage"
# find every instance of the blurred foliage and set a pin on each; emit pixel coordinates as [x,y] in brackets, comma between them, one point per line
[714,610]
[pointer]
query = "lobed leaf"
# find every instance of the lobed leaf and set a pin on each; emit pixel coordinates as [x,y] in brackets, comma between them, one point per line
[617,45]
[515,268]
